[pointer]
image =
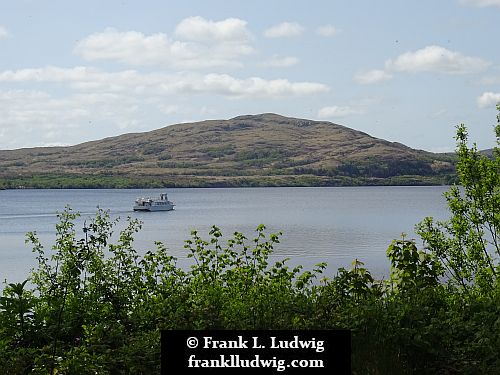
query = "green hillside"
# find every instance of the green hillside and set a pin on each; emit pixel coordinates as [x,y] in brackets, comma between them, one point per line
[256,150]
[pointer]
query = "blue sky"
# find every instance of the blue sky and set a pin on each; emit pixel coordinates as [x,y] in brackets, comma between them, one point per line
[406,71]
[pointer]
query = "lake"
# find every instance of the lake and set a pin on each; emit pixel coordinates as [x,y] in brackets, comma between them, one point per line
[335,225]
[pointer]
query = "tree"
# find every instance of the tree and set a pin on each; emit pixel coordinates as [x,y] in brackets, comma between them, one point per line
[468,244]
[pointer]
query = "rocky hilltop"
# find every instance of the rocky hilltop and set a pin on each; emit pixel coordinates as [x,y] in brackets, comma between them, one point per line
[253,150]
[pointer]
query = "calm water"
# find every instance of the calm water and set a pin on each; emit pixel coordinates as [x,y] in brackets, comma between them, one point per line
[335,225]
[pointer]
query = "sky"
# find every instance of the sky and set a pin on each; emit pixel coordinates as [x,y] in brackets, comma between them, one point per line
[406,71]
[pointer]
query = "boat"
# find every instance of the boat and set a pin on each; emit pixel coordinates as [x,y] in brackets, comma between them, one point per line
[154,204]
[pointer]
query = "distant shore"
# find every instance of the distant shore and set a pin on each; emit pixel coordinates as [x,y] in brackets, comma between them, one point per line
[49,181]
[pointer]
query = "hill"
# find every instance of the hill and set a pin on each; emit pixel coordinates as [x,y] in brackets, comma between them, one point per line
[254,150]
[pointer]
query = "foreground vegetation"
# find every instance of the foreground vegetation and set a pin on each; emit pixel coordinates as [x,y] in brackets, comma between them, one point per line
[98,307]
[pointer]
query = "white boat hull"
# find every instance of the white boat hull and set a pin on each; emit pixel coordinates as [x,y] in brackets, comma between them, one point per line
[150,204]
[168,207]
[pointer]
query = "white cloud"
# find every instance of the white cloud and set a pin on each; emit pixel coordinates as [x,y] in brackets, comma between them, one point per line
[284,29]
[3,32]
[130,47]
[433,59]
[29,116]
[488,99]
[436,59]
[258,87]
[337,112]
[48,74]
[372,76]
[280,62]
[199,29]
[90,79]
[131,81]
[481,3]
[327,30]
[207,111]
[170,109]
[203,44]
